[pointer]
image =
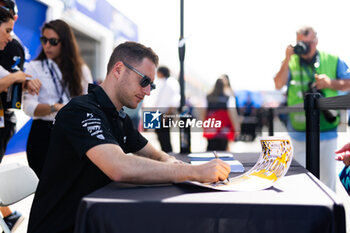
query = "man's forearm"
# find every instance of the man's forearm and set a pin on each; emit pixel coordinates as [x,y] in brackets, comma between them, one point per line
[5,82]
[135,169]
[149,151]
[151,171]
[340,84]
[281,77]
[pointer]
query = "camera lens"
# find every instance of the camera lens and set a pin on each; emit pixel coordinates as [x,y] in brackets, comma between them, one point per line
[301,48]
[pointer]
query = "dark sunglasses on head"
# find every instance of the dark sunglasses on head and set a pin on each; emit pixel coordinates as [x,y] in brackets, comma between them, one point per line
[145,81]
[52,41]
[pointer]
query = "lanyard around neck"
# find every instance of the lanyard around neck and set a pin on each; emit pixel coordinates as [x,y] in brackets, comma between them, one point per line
[56,81]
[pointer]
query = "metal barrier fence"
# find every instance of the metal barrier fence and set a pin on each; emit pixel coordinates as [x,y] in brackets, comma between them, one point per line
[313,104]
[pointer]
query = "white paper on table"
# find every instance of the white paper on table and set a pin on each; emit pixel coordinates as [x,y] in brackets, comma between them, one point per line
[235,165]
[210,155]
[272,165]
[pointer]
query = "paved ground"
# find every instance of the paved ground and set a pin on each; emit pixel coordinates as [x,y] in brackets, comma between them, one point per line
[198,145]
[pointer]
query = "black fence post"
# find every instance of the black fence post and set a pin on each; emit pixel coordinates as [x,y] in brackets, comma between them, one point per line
[270,118]
[312,114]
[185,132]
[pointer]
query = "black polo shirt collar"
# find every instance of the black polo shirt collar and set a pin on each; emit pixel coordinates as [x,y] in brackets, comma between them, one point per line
[104,101]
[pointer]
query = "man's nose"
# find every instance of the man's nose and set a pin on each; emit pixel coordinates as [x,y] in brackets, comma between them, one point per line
[147,90]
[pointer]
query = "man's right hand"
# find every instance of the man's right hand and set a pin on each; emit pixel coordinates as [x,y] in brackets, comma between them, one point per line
[289,52]
[213,171]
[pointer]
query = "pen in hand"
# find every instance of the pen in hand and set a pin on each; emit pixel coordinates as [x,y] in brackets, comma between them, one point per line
[217,157]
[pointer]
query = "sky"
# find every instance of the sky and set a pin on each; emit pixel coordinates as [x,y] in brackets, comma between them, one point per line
[244,39]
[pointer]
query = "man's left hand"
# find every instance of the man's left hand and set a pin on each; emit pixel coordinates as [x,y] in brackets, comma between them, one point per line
[322,81]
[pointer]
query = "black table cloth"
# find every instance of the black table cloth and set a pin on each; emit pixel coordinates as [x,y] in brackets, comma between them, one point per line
[297,203]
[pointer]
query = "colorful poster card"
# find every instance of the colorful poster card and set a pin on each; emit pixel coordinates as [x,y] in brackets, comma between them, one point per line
[273,163]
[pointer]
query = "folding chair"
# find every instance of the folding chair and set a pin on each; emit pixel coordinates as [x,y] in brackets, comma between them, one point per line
[16,183]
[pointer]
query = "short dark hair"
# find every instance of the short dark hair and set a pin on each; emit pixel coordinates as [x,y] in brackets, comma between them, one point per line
[131,52]
[164,71]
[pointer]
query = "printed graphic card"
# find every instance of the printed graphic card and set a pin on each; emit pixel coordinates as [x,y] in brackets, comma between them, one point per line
[272,165]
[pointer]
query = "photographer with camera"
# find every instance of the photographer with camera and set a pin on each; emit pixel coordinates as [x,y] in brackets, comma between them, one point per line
[307,70]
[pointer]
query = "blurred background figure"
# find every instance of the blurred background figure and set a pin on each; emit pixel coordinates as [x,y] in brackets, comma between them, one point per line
[166,99]
[249,105]
[228,89]
[64,75]
[11,60]
[221,106]
[11,66]
[306,69]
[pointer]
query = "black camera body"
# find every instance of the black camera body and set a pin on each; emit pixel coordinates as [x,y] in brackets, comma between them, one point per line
[329,115]
[301,48]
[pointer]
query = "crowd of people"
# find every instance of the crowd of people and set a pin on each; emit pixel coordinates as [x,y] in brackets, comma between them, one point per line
[79,143]
[81,139]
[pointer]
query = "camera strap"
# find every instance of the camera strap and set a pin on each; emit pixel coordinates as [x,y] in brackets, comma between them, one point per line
[303,64]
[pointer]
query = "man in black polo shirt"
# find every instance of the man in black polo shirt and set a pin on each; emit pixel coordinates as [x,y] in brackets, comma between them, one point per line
[90,139]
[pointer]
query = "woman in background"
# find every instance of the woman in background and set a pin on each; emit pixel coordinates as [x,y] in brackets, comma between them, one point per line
[221,106]
[64,75]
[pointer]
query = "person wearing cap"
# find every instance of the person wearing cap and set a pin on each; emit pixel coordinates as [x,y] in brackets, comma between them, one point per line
[11,66]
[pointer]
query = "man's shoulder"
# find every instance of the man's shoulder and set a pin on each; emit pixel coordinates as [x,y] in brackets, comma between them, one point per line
[329,55]
[80,105]
[83,102]
[77,110]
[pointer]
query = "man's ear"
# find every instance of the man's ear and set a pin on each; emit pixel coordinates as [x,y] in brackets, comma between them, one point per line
[117,69]
[15,17]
